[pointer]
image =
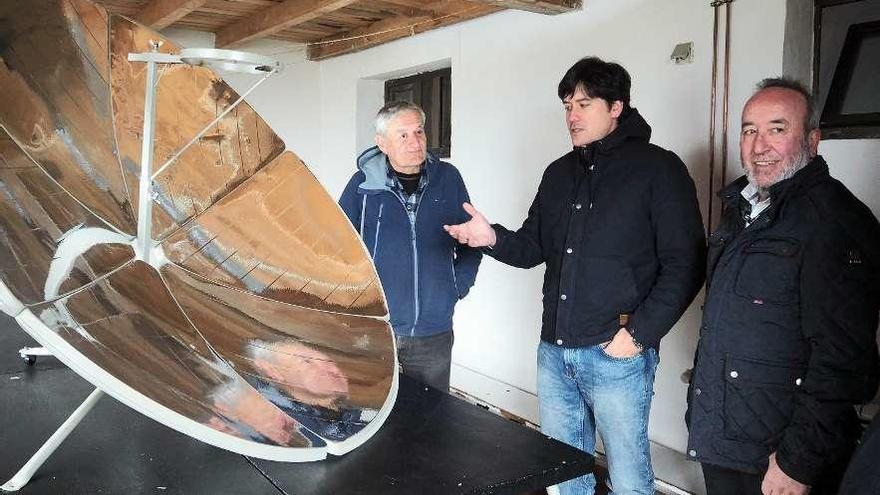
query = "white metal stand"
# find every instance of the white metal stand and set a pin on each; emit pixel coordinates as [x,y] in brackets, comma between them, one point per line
[228,60]
[27,471]
[30,354]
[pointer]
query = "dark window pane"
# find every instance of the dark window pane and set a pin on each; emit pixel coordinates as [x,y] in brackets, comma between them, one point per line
[848,68]
[861,94]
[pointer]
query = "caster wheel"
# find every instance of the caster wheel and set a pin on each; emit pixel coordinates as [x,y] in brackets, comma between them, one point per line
[29,360]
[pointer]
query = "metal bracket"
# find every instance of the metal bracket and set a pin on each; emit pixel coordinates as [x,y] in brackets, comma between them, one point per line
[24,475]
[229,60]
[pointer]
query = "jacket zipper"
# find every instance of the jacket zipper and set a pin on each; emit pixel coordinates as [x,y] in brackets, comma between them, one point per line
[454,277]
[591,179]
[412,235]
[416,262]
[363,215]
[376,239]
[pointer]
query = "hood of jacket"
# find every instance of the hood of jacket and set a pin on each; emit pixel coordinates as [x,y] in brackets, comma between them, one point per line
[374,164]
[630,127]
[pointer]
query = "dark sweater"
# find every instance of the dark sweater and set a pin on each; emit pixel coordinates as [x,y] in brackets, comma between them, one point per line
[627,211]
[408,182]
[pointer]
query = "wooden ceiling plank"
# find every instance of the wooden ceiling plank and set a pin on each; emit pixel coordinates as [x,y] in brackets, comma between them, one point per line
[409,8]
[406,3]
[126,9]
[274,19]
[549,7]
[159,14]
[445,13]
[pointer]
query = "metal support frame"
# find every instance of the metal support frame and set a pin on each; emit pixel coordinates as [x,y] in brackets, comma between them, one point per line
[24,475]
[30,354]
[229,60]
[145,197]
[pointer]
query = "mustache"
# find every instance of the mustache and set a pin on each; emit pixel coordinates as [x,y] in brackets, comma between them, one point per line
[798,162]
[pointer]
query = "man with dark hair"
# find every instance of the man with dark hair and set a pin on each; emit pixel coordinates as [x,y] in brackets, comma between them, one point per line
[398,199]
[787,346]
[617,223]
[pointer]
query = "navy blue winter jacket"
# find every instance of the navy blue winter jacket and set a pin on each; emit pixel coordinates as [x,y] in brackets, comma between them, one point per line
[788,341]
[423,270]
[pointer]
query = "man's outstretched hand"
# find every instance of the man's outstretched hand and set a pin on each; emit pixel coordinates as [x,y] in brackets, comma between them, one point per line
[476,232]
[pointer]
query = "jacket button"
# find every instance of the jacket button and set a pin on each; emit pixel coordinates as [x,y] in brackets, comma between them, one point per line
[563,297]
[569,251]
[734,374]
[577,206]
[697,391]
[558,341]
[798,382]
[692,453]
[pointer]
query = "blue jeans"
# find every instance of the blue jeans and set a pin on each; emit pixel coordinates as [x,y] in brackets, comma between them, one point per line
[427,359]
[584,390]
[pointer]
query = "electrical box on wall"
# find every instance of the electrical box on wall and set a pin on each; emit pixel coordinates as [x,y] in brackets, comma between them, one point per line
[683,53]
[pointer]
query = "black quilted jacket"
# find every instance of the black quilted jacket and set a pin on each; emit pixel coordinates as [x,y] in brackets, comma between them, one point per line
[787,345]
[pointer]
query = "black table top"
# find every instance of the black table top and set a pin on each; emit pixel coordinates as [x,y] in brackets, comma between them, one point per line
[432,443]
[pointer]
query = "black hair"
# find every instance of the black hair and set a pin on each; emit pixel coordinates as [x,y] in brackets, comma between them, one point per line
[810,122]
[599,79]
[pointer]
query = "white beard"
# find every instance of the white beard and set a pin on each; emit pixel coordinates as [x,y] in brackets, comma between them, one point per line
[799,162]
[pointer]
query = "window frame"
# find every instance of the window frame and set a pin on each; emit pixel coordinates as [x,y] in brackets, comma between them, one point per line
[833,124]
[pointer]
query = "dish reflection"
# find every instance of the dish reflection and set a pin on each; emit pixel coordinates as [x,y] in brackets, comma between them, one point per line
[260,326]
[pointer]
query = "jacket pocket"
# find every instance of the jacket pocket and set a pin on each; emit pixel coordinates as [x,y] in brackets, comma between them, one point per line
[770,271]
[608,283]
[759,399]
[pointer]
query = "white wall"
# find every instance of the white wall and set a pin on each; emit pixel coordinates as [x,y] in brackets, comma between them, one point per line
[757,32]
[508,125]
[856,163]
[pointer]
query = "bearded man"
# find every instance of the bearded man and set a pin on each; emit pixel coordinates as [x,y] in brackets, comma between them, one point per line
[787,346]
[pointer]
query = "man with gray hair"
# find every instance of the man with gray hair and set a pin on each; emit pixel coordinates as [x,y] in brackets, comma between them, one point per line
[787,346]
[399,200]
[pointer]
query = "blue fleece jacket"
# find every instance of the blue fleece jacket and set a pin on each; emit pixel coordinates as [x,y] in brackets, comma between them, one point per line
[424,272]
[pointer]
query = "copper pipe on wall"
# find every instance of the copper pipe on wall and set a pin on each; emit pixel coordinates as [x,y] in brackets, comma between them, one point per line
[725,111]
[709,209]
[713,106]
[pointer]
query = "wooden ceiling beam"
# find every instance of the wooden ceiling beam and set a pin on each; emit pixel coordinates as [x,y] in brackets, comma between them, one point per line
[407,7]
[538,6]
[159,14]
[444,13]
[406,3]
[277,18]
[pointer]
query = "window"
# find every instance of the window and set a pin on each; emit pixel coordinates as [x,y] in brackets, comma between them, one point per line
[433,92]
[848,68]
